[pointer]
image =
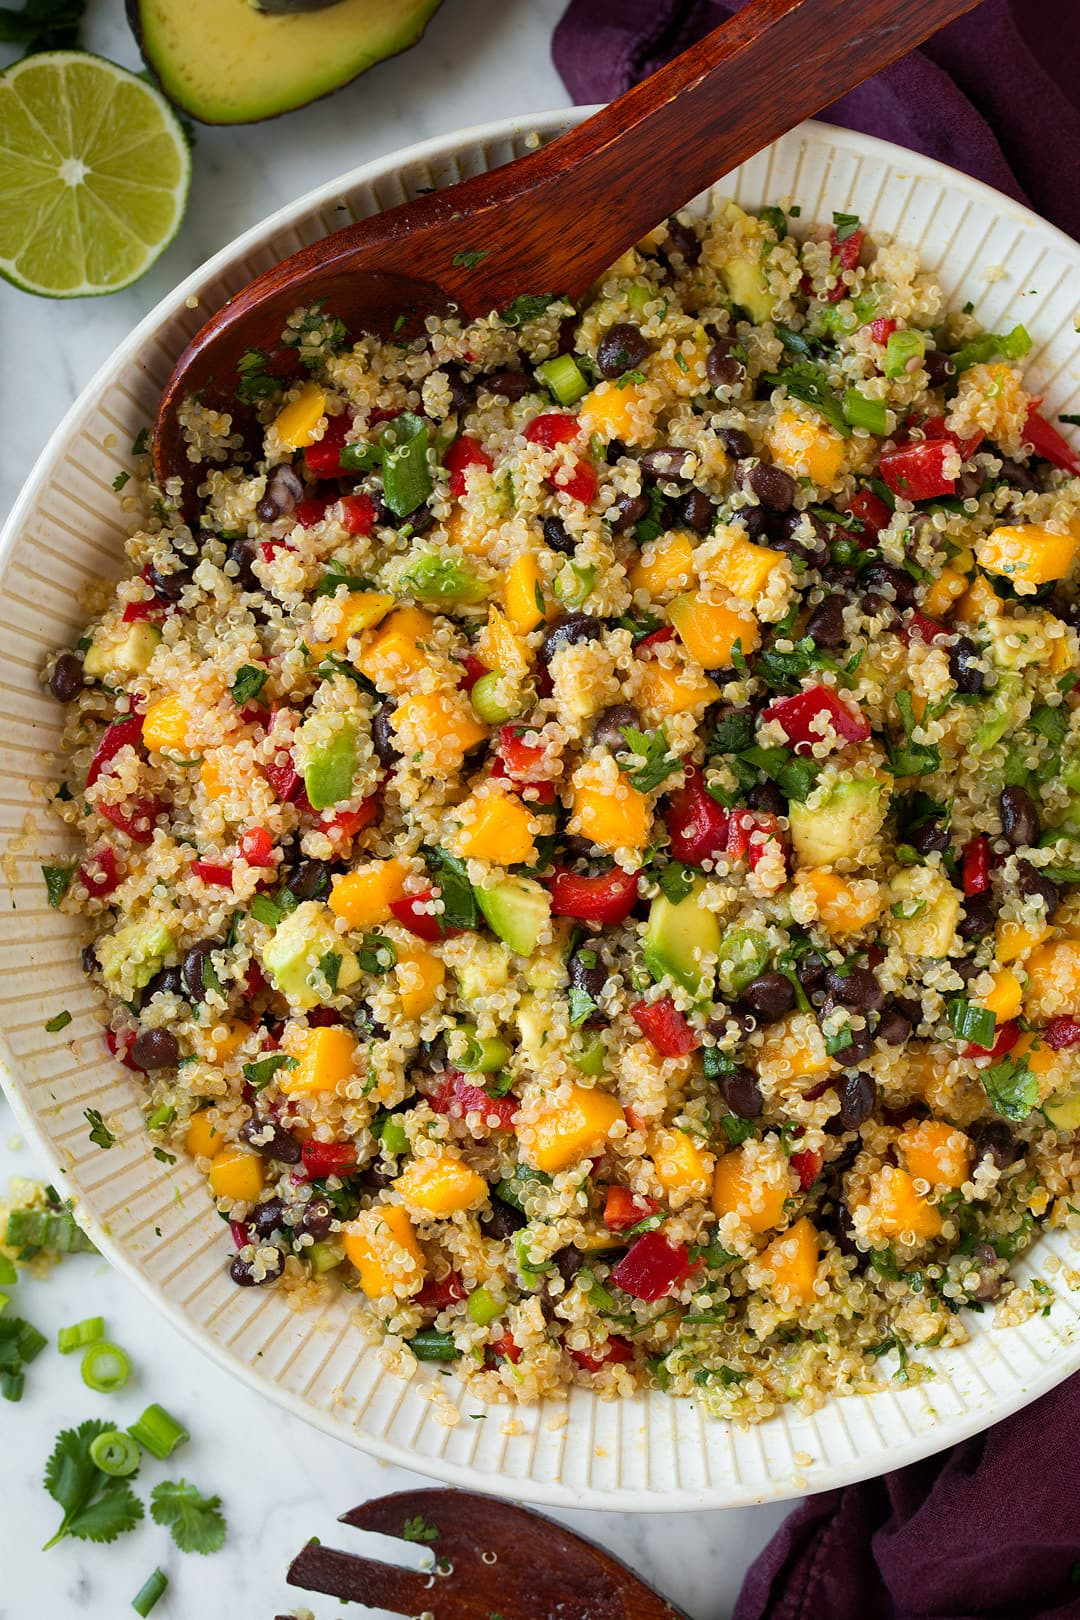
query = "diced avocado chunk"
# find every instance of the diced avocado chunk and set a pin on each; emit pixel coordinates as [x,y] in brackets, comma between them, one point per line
[545,971]
[743,274]
[126,654]
[534,1028]
[484,971]
[838,825]
[999,713]
[925,909]
[519,910]
[328,775]
[292,954]
[433,576]
[131,956]
[1063,1111]
[743,955]
[1016,642]
[682,942]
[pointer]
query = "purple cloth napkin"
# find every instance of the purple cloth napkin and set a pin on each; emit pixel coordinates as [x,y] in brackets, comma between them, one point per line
[996,94]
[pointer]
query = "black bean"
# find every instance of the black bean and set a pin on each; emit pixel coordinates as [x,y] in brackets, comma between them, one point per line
[767,796]
[891,581]
[168,981]
[607,728]
[556,537]
[858,1094]
[682,240]
[1017,476]
[270,1139]
[508,383]
[978,917]
[310,880]
[382,735]
[196,958]
[825,626]
[568,631]
[615,451]
[588,973]
[894,1027]
[964,665]
[723,368]
[267,1218]
[461,389]
[836,1220]
[622,348]
[858,989]
[859,1047]
[628,510]
[929,835]
[773,487]
[939,367]
[741,1093]
[67,679]
[989,1286]
[419,519]
[876,607]
[665,462]
[242,1272]
[841,576]
[283,490]
[90,963]
[810,970]
[799,533]
[695,511]
[242,554]
[502,1220]
[1030,881]
[568,1262]
[170,587]
[154,1049]
[744,1022]
[965,968]
[317,1219]
[994,1141]
[969,483]
[755,521]
[769,996]
[365,1023]
[374,1177]
[735,442]
[1019,817]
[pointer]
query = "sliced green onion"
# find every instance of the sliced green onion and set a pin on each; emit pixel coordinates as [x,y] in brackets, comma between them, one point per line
[158,1432]
[431,1346]
[861,412]
[105,1367]
[484,699]
[80,1334]
[562,377]
[482,1056]
[901,349]
[30,1343]
[46,1229]
[115,1453]
[406,475]
[161,1118]
[638,296]
[11,1386]
[8,1274]
[149,1592]
[324,1257]
[592,1058]
[483,1307]
[573,585]
[972,1023]
[978,350]
[393,1135]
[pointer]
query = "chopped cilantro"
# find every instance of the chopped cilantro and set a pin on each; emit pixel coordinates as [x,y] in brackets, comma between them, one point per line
[248,683]
[651,747]
[100,1134]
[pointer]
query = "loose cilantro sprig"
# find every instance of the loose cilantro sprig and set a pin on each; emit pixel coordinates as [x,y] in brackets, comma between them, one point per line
[657,760]
[1011,1087]
[43,25]
[96,1506]
[195,1522]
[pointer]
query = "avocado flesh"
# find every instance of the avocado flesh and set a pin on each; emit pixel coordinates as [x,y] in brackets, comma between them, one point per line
[224,62]
[841,826]
[682,942]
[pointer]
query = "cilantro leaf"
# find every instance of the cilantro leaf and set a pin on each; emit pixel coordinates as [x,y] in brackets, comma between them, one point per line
[255,381]
[418,1529]
[795,777]
[526,307]
[195,1522]
[377,954]
[846,225]
[249,682]
[470,258]
[733,733]
[582,1005]
[657,762]
[1011,1087]
[96,1508]
[262,1070]
[57,882]
[455,890]
[676,880]
[100,1134]
[807,382]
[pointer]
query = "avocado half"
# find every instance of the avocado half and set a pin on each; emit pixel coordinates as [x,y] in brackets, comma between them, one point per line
[227,62]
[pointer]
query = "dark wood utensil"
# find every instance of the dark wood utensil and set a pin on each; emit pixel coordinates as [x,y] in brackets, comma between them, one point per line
[551,221]
[492,1560]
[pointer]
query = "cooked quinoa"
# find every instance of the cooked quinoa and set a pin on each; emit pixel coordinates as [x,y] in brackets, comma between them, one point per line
[580,838]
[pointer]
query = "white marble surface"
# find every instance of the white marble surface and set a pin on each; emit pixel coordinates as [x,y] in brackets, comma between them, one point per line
[281,1482]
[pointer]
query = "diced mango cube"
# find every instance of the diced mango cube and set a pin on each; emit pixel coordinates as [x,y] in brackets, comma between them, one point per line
[234,1034]
[843,907]
[167,724]
[897,1210]
[364,896]
[793,1260]
[794,1047]
[524,592]
[325,1057]
[681,1164]
[807,449]
[741,567]
[665,566]
[358,611]
[1013,943]
[612,817]
[570,1130]
[420,975]
[1040,1057]
[740,1189]
[1006,998]
[949,586]
[203,1138]
[1053,981]
[617,411]
[438,725]
[1026,553]
[711,631]
[497,826]
[395,653]
[237,1173]
[979,602]
[441,1185]
[382,1245]
[298,421]
[214,773]
[936,1152]
[674,689]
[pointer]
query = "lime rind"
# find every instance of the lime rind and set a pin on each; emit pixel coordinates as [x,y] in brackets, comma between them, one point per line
[94,175]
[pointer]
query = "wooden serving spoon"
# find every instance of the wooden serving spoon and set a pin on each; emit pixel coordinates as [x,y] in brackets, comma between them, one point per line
[551,221]
[493,1561]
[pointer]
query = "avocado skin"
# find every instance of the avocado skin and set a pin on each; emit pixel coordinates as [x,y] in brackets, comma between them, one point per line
[203,108]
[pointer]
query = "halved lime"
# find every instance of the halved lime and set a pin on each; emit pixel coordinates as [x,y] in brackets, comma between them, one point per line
[94,171]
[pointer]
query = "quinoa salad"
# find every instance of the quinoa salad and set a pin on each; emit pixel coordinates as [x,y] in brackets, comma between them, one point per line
[580,842]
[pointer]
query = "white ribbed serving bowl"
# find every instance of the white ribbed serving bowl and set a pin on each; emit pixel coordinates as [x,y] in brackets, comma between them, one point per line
[651,1454]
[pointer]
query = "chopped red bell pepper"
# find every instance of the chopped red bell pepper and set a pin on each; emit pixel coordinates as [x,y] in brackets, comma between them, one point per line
[120,1046]
[520,758]
[807,1166]
[328,1158]
[135,817]
[412,912]
[240,1234]
[213,872]
[653,1267]
[759,848]
[99,873]
[622,1208]
[472,670]
[1005,1038]
[380,414]
[664,1025]
[1061,1033]
[580,481]
[504,1349]
[976,867]
[614,1351]
[357,513]
[284,779]
[324,458]
[1048,443]
[344,824]
[270,548]
[920,628]
[916,471]
[741,844]
[845,256]
[324,1017]
[607,898]
[458,1095]
[636,1120]
[465,452]
[149,607]
[536,792]
[123,733]
[800,718]
[697,825]
[881,328]
[552,428]
[438,1293]
[312,510]
[871,512]
[655,638]
[257,847]
[254,979]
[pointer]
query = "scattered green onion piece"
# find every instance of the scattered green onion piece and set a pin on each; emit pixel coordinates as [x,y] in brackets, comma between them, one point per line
[562,377]
[8,1274]
[149,1593]
[638,296]
[46,1229]
[573,585]
[482,1056]
[105,1368]
[161,1118]
[862,412]
[323,1257]
[80,1334]
[484,699]
[901,349]
[592,1058]
[431,1346]
[115,1453]
[393,1135]
[483,1307]
[158,1432]
[31,1343]
[406,475]
[979,350]
[11,1386]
